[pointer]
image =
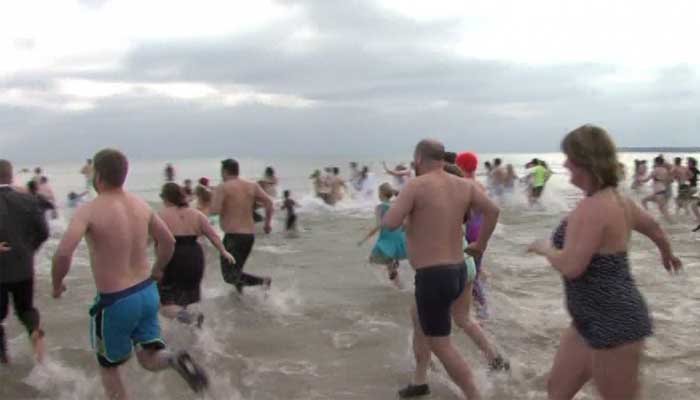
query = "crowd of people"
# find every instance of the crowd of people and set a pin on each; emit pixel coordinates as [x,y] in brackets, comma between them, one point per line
[436,215]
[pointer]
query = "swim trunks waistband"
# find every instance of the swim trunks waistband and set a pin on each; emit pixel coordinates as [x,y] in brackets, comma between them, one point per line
[186,239]
[107,299]
[239,235]
[441,267]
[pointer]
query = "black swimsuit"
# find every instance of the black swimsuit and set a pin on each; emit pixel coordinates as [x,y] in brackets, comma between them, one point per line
[183,274]
[606,307]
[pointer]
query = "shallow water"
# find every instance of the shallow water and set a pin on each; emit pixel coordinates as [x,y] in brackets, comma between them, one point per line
[332,326]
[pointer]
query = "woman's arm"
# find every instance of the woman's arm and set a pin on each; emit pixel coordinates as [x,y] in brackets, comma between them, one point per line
[584,234]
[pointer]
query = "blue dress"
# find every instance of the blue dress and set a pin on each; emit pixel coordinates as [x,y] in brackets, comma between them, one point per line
[391,244]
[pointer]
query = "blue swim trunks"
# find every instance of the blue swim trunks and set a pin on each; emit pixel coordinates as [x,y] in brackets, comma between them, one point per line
[120,320]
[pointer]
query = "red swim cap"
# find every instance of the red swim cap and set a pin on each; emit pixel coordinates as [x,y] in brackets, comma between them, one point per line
[467,161]
[204,181]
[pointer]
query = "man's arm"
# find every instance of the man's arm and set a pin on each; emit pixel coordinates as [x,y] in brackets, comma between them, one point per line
[401,208]
[217,200]
[164,244]
[262,198]
[64,253]
[490,211]
[645,224]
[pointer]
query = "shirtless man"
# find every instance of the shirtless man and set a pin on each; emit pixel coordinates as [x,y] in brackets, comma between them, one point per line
[661,177]
[233,200]
[338,185]
[681,174]
[498,177]
[117,225]
[435,204]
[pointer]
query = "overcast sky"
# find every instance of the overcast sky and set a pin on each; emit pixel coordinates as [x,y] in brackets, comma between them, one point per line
[293,77]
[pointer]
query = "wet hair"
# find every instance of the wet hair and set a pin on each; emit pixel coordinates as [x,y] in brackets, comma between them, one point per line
[269,171]
[591,148]
[43,179]
[286,194]
[111,166]
[385,190]
[430,149]
[5,171]
[659,160]
[497,162]
[450,157]
[677,160]
[336,170]
[188,181]
[174,194]
[453,170]
[32,187]
[230,166]
[37,170]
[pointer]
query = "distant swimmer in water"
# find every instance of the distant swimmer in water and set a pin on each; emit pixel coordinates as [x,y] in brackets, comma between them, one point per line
[289,206]
[537,178]
[435,204]
[180,281]
[660,176]
[269,182]
[188,190]
[390,247]
[86,172]
[498,178]
[511,178]
[695,202]
[169,173]
[401,175]
[321,188]
[338,186]
[640,173]
[44,204]
[681,174]
[233,200]
[117,225]
[610,318]
[355,176]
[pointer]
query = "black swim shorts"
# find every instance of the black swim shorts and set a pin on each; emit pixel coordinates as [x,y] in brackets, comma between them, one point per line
[437,288]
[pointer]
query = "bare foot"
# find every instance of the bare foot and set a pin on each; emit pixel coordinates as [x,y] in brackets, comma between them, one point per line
[37,339]
[267,282]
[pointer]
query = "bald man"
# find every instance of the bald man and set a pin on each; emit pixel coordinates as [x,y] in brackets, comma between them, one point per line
[435,203]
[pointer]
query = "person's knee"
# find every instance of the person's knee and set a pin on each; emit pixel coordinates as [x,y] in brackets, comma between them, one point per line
[30,319]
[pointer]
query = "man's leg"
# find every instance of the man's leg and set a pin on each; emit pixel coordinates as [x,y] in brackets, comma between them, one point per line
[455,365]
[23,297]
[421,351]
[112,383]
[4,308]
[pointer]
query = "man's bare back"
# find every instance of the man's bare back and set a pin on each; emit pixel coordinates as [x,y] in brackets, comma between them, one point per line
[234,200]
[116,226]
[435,204]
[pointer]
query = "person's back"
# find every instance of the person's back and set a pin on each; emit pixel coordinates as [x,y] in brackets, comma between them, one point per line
[237,203]
[434,234]
[117,236]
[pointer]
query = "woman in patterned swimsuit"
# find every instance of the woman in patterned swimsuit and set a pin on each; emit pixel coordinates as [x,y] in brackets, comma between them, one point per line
[610,319]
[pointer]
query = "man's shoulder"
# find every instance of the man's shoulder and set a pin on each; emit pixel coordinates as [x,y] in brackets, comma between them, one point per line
[20,198]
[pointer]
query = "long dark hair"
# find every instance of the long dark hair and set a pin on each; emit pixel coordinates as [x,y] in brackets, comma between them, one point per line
[174,194]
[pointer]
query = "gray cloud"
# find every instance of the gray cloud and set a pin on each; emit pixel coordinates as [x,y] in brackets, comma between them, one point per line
[381,82]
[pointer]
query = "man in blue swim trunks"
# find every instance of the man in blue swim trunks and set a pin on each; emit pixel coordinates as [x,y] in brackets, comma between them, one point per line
[435,204]
[117,225]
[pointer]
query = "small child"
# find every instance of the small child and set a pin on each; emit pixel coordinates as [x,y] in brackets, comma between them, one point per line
[289,205]
[390,247]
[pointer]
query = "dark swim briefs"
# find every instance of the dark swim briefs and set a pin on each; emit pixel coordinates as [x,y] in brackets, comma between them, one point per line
[437,288]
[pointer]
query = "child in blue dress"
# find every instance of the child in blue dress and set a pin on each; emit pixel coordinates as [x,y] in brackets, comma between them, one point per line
[390,247]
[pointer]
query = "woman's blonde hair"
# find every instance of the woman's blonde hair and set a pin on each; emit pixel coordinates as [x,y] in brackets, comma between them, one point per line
[387,191]
[591,148]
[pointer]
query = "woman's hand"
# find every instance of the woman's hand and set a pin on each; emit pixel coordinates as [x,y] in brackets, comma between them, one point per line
[229,257]
[540,246]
